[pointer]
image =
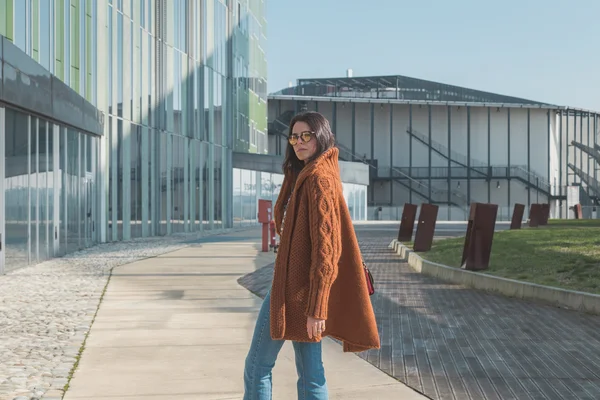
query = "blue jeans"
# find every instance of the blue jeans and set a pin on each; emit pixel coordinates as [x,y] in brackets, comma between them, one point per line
[261,360]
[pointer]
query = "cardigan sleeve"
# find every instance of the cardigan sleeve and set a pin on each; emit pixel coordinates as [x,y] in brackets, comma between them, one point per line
[326,243]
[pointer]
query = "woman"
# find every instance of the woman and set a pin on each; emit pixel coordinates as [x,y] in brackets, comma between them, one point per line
[319,287]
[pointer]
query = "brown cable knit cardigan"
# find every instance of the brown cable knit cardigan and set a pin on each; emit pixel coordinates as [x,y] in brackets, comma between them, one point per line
[318,271]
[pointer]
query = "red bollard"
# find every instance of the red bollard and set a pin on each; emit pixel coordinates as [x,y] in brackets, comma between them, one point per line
[264,217]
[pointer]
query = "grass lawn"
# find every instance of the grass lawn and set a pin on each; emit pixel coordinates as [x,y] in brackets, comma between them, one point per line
[565,253]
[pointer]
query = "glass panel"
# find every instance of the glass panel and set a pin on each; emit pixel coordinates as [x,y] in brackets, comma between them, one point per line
[111,167]
[119,171]
[63,190]
[128,62]
[143,13]
[154,196]
[150,77]
[45,34]
[147,146]
[186,183]
[33,191]
[136,182]
[68,37]
[164,193]
[225,188]
[183,25]
[191,199]
[126,186]
[177,91]
[90,187]
[205,186]
[20,26]
[218,187]
[46,163]
[248,196]
[218,109]
[206,90]
[72,230]
[173,179]
[82,192]
[199,189]
[109,57]
[119,64]
[16,189]
[237,197]
[179,164]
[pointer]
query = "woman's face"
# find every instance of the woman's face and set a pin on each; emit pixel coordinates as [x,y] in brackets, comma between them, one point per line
[305,145]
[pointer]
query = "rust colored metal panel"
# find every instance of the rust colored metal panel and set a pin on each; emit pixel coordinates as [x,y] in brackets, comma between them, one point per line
[535,215]
[545,214]
[517,217]
[578,211]
[426,227]
[407,224]
[480,235]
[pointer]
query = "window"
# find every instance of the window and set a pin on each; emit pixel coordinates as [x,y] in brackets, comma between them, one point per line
[67,41]
[45,34]
[20,24]
[119,64]
[110,58]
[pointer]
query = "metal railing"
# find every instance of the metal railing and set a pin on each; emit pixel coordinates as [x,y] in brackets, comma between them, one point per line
[585,177]
[587,149]
[349,155]
[521,172]
[454,156]
[530,177]
[438,195]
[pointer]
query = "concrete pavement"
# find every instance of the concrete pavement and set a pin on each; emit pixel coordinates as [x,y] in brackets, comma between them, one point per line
[178,326]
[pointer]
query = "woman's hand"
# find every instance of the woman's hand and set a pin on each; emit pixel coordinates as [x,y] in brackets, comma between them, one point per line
[314,326]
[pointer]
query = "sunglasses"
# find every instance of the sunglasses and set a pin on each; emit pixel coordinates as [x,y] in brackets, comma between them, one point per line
[306,136]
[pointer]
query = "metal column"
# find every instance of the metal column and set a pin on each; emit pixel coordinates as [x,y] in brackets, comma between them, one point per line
[594,135]
[353,130]
[580,141]
[468,155]
[334,118]
[278,140]
[508,158]
[391,153]
[489,149]
[410,152]
[560,163]
[449,109]
[574,149]
[589,157]
[548,150]
[528,156]
[372,187]
[567,156]
[429,164]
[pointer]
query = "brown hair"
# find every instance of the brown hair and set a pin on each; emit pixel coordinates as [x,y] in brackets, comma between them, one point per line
[322,130]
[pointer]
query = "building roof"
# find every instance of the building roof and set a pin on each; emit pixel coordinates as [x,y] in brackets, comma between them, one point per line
[397,87]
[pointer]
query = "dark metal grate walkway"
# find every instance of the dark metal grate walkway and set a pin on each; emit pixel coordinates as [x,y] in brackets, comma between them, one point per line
[450,342]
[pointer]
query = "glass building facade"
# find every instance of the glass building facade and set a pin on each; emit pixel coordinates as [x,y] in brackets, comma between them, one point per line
[249,186]
[179,85]
[250,72]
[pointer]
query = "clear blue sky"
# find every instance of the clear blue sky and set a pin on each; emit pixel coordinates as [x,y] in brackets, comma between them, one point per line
[544,50]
